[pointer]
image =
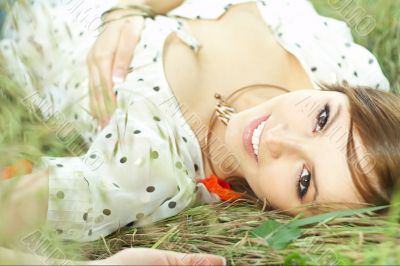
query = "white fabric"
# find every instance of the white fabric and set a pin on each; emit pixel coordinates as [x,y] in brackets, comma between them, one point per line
[143,166]
[95,194]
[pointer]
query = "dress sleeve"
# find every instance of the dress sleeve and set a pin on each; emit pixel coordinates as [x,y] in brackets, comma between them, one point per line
[137,171]
[324,45]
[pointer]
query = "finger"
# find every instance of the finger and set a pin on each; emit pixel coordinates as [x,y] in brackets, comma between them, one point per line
[104,52]
[202,259]
[91,90]
[109,104]
[177,258]
[98,90]
[130,35]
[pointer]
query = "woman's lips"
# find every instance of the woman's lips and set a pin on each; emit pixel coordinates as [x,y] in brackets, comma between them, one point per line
[248,134]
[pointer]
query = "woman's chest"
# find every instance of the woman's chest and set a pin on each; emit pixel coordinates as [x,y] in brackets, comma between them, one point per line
[236,51]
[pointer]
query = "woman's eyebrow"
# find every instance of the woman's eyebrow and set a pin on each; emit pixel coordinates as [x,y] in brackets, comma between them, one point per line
[331,121]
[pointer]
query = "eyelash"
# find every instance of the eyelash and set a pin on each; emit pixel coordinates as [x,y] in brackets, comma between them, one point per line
[303,188]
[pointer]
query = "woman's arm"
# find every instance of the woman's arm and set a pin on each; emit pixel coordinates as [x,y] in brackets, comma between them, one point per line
[110,57]
[163,7]
[159,6]
[130,256]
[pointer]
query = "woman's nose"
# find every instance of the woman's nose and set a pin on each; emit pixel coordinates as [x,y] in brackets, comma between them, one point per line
[280,140]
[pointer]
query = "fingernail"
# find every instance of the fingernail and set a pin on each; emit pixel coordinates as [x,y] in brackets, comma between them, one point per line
[118,76]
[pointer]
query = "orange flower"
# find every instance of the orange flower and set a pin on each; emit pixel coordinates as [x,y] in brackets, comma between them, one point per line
[220,187]
[20,167]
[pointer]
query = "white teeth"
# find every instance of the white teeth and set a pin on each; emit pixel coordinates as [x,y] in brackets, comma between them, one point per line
[255,139]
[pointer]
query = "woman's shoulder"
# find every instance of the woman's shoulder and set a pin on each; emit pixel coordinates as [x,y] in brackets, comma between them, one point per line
[205,9]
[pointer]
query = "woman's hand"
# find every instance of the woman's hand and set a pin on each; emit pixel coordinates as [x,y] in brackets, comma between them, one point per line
[109,60]
[148,256]
[130,256]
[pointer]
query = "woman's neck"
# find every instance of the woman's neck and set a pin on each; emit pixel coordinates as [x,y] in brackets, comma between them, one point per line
[233,55]
[224,162]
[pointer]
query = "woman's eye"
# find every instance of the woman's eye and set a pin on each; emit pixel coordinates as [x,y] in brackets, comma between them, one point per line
[304,182]
[322,118]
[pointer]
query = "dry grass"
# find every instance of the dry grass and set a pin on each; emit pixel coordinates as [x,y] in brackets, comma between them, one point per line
[224,229]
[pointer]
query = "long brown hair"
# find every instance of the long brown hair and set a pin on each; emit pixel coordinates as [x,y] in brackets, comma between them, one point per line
[375,117]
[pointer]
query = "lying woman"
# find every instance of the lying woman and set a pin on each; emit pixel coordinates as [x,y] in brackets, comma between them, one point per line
[306,114]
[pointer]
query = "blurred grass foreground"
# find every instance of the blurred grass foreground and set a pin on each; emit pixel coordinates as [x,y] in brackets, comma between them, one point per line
[225,228]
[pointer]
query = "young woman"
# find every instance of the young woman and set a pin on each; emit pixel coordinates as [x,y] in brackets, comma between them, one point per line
[291,139]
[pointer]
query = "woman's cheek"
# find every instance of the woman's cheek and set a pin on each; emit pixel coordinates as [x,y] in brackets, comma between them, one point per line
[261,185]
[275,185]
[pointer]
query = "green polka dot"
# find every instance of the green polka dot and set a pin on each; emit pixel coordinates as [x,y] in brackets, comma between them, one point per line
[154,154]
[60,194]
[178,165]
[156,118]
[85,216]
[150,189]
[107,212]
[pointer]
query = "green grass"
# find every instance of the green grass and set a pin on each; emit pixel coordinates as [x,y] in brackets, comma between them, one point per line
[383,40]
[224,228]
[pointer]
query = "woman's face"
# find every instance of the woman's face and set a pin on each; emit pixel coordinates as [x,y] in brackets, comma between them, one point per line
[292,149]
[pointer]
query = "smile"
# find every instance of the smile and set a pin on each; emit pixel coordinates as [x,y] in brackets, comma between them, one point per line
[255,140]
[252,136]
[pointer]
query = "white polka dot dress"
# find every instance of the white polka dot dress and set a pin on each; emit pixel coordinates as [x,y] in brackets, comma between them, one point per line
[139,169]
[143,166]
